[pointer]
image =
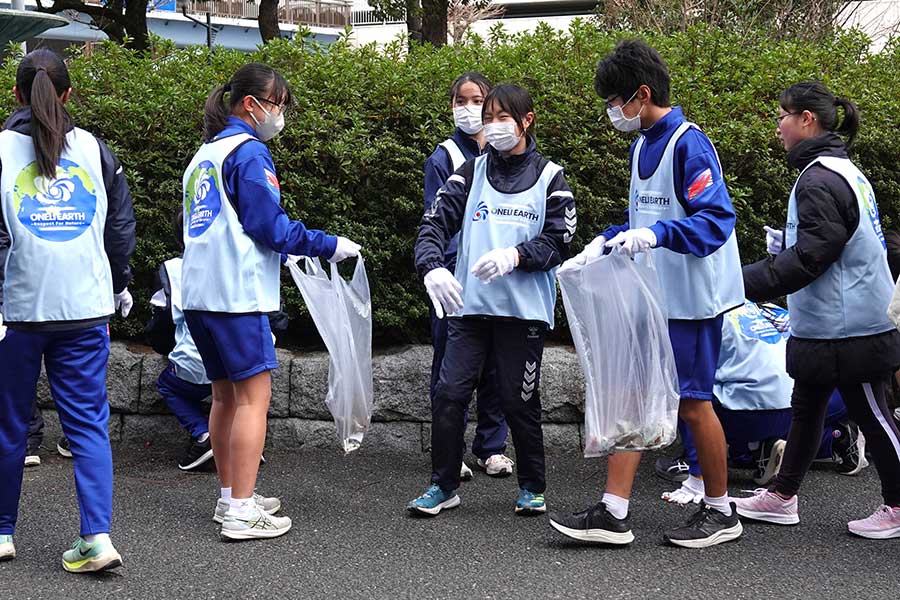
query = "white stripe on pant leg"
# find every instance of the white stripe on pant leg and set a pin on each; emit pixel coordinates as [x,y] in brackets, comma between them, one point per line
[870,396]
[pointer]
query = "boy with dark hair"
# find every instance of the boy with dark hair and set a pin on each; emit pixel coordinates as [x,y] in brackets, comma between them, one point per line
[680,210]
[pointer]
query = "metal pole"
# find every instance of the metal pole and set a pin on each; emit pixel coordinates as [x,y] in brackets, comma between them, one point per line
[208,32]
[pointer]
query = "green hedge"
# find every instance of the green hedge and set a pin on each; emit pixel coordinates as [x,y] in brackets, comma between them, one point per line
[350,160]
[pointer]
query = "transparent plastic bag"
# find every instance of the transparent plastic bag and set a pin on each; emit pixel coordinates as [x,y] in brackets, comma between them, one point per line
[618,321]
[342,312]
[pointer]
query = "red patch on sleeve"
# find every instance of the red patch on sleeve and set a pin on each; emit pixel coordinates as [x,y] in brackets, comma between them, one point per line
[272,180]
[703,181]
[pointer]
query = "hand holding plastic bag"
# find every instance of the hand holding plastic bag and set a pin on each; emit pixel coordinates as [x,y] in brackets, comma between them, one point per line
[620,329]
[342,312]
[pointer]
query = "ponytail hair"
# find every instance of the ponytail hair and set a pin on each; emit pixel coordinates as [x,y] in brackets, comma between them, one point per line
[253,79]
[41,79]
[817,99]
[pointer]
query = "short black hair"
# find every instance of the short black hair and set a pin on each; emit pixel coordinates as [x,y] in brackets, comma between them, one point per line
[632,64]
[470,76]
[511,99]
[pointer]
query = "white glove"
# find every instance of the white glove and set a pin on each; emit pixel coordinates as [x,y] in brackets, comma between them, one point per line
[2,329]
[633,241]
[495,264]
[444,291]
[345,249]
[592,250]
[774,240]
[124,302]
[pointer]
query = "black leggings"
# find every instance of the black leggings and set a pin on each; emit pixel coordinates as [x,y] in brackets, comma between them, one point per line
[867,407]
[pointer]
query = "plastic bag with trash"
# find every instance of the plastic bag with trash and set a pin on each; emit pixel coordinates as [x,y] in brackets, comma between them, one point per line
[342,312]
[618,322]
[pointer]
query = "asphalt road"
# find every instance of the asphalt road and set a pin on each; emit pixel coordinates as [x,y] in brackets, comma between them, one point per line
[353,539]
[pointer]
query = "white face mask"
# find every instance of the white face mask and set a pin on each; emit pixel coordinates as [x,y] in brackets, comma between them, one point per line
[468,118]
[502,136]
[620,121]
[270,126]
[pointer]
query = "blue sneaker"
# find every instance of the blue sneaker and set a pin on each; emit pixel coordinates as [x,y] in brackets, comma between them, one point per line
[7,550]
[530,503]
[433,501]
[85,557]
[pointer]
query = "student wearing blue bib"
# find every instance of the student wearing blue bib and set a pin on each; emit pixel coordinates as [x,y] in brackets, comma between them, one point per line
[831,262]
[66,237]
[680,211]
[466,99]
[515,217]
[235,232]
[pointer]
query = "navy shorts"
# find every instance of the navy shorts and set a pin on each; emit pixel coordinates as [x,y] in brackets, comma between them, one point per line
[232,346]
[696,345]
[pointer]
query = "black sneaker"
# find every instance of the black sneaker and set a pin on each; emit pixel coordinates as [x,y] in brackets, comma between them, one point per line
[62,446]
[32,456]
[706,527]
[848,449]
[673,469]
[771,452]
[595,524]
[196,454]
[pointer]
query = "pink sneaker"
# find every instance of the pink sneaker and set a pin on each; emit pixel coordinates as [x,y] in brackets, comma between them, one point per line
[883,524]
[768,506]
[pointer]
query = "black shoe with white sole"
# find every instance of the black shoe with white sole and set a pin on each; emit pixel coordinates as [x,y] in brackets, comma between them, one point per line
[672,469]
[706,527]
[62,446]
[196,454]
[594,524]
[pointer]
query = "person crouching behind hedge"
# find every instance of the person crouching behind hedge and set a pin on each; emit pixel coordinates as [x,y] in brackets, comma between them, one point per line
[234,232]
[516,217]
[68,225]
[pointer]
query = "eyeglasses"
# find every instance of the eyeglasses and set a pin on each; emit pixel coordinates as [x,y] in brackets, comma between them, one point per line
[781,118]
[282,108]
[609,101]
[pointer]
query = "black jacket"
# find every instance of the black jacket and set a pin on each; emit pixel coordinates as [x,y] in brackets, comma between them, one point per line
[118,232]
[506,174]
[828,215]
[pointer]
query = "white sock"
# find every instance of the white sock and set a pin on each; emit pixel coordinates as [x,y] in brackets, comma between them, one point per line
[225,493]
[720,504]
[242,507]
[203,437]
[96,537]
[617,506]
[694,485]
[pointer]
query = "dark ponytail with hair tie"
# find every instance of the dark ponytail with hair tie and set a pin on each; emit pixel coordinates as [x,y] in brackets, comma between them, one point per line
[817,99]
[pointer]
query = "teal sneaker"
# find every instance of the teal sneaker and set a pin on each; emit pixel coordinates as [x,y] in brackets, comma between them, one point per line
[433,501]
[529,503]
[85,557]
[7,550]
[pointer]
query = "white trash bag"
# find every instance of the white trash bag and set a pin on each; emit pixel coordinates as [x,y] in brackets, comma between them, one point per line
[342,312]
[619,325]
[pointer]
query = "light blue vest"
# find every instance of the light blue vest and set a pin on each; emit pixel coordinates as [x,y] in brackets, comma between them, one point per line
[185,356]
[850,299]
[751,373]
[496,220]
[56,267]
[694,287]
[224,269]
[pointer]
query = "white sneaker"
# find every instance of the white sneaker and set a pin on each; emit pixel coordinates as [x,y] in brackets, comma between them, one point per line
[267,505]
[32,460]
[258,525]
[7,550]
[683,496]
[465,473]
[497,465]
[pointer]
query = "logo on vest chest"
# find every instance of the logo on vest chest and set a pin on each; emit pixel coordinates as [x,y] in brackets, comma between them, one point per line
[513,214]
[651,202]
[59,209]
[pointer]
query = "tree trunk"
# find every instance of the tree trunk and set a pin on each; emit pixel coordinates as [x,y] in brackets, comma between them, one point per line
[434,22]
[268,20]
[135,22]
[414,22]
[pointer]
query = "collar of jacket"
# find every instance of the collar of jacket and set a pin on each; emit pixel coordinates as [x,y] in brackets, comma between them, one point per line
[514,173]
[510,164]
[20,121]
[828,144]
[666,126]
[466,143]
